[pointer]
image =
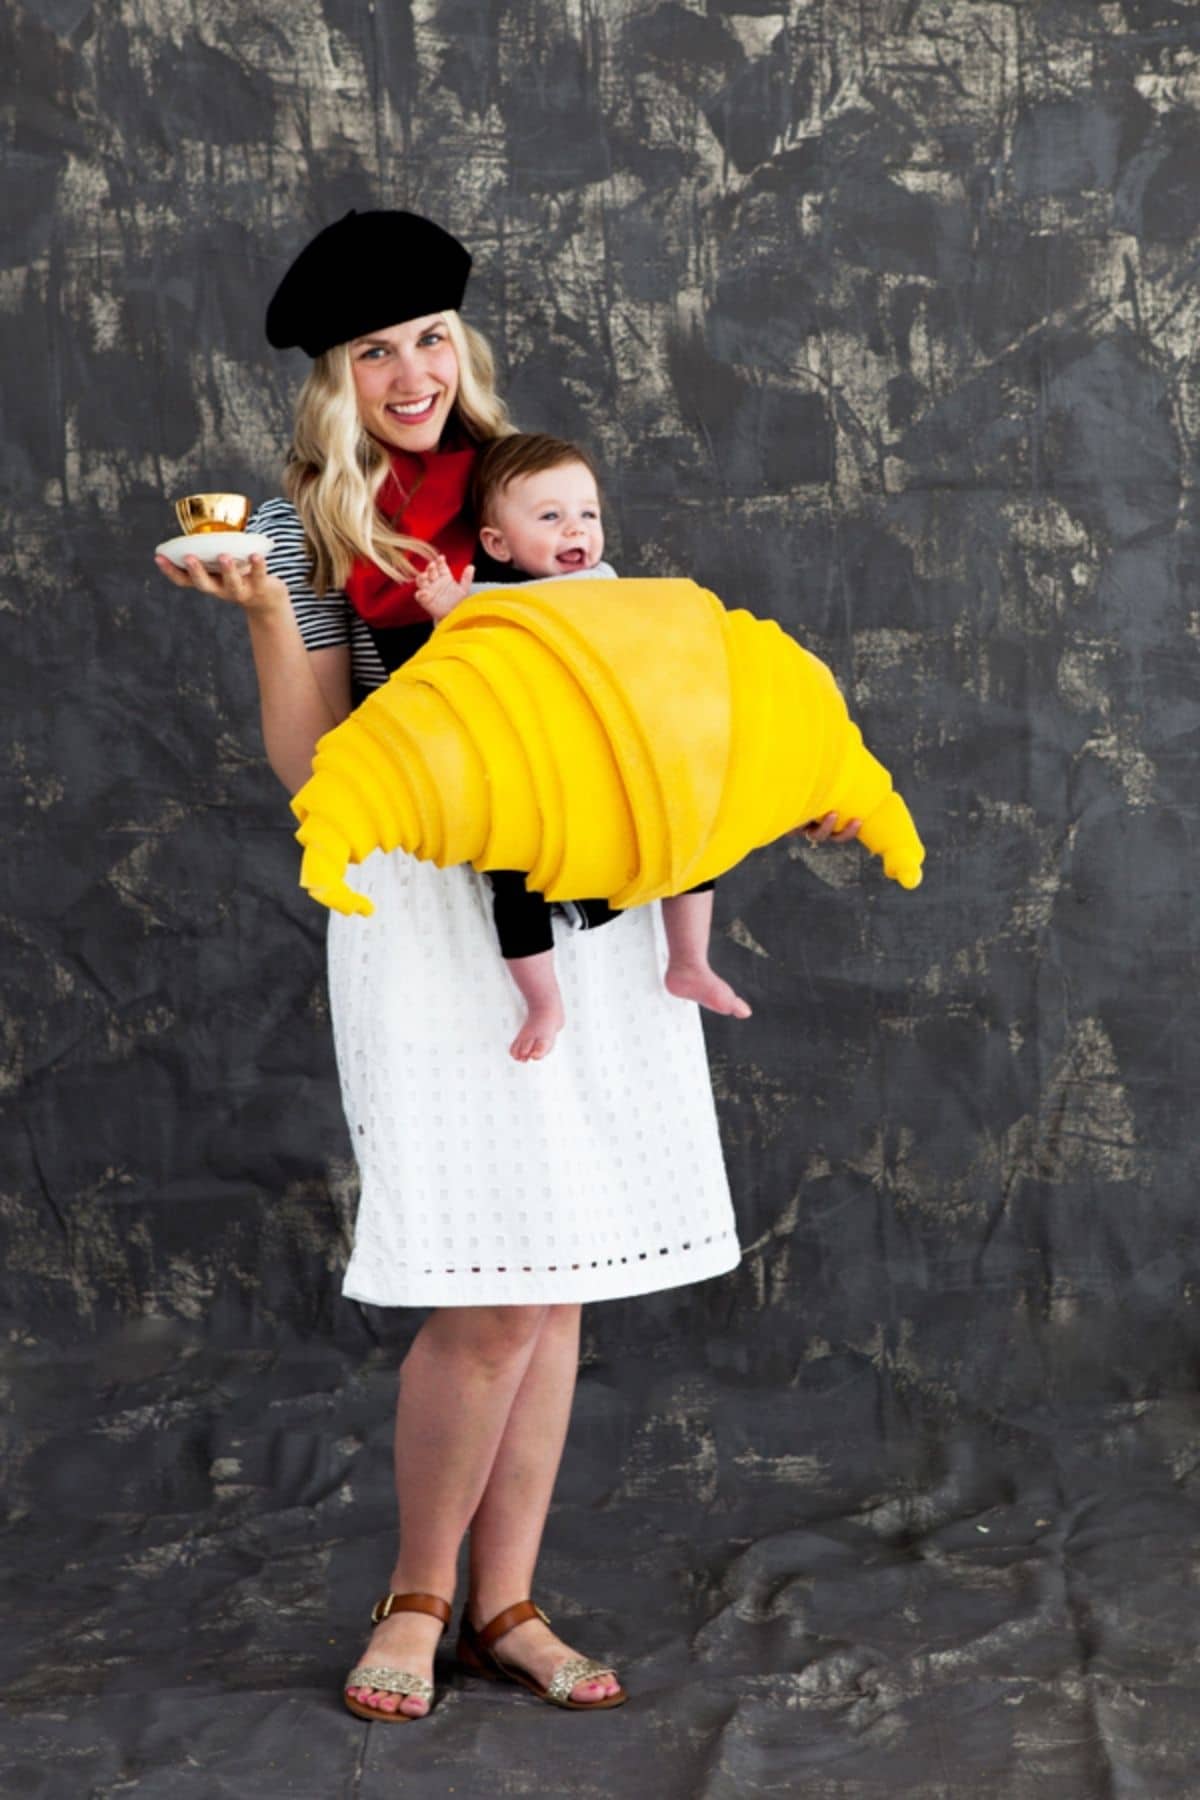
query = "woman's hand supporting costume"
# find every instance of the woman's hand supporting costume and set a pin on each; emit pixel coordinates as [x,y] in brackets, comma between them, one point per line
[628,741]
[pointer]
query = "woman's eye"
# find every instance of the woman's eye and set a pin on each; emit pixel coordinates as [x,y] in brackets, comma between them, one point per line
[372,353]
[430,337]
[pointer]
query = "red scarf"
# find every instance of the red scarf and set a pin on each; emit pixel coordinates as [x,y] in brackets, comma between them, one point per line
[425,496]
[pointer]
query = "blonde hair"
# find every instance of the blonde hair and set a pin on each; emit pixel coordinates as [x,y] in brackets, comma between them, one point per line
[335,468]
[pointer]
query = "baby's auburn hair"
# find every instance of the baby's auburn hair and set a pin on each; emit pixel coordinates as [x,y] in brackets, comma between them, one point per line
[508,459]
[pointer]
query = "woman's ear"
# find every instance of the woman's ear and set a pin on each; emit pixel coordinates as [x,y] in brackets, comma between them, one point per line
[495,543]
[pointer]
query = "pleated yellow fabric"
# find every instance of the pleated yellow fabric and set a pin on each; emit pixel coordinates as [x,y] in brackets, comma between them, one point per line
[619,739]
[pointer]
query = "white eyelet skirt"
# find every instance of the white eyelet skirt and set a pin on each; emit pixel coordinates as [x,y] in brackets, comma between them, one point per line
[593,1174]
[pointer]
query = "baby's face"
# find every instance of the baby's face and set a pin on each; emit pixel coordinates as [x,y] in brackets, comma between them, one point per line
[547,524]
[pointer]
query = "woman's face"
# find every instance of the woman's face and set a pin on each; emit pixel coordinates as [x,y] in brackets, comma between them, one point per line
[406,378]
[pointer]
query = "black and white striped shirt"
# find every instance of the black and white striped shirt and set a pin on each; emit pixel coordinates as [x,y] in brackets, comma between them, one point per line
[323,623]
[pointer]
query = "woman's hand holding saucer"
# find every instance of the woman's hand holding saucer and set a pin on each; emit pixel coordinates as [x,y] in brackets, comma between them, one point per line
[244,581]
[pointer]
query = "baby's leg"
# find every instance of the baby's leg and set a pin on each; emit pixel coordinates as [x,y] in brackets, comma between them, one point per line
[527,946]
[687,919]
[544,1017]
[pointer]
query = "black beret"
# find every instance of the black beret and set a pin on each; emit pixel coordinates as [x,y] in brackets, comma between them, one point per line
[367,271]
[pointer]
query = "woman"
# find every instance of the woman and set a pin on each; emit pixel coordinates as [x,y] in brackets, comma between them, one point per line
[501,1194]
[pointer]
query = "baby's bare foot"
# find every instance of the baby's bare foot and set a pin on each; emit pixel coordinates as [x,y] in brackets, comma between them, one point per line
[696,981]
[405,1641]
[536,1036]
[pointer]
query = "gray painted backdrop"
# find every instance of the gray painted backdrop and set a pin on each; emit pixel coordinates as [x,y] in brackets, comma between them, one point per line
[881,319]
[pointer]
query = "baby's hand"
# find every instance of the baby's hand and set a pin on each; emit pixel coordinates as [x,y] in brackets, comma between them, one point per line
[437,590]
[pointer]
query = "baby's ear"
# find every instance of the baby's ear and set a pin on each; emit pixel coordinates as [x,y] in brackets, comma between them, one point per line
[495,543]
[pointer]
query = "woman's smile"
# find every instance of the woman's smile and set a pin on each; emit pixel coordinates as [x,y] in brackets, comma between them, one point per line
[412,412]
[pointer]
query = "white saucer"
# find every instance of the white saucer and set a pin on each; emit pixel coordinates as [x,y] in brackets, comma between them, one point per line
[208,545]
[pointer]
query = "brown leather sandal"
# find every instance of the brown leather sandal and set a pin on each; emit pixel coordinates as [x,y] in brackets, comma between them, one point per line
[395,1681]
[475,1653]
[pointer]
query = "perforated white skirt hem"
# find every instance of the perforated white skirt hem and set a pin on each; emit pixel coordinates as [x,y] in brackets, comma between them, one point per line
[594,1174]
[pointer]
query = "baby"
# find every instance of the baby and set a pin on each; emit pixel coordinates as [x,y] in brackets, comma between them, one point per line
[538,505]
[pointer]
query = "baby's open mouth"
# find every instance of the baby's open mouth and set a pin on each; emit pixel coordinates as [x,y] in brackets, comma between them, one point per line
[571,559]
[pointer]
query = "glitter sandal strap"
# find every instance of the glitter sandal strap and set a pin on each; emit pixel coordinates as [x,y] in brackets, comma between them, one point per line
[579,1668]
[389,1681]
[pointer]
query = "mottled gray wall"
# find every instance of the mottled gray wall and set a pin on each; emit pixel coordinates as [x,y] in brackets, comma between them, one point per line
[881,318]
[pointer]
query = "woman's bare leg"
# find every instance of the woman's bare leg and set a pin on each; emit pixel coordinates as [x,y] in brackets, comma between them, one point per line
[506,1531]
[457,1387]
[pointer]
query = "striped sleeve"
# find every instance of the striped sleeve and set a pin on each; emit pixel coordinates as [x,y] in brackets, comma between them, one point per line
[322,622]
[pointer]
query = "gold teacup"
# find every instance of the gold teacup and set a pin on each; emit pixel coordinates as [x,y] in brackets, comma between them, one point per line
[212,512]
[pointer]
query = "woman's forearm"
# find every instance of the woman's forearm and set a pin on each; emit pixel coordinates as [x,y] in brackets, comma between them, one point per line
[295,713]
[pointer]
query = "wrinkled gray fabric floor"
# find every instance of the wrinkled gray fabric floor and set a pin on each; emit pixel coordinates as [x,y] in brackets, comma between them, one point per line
[882,318]
[200,1537]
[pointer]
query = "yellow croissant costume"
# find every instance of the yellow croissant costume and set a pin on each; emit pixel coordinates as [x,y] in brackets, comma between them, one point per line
[619,739]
